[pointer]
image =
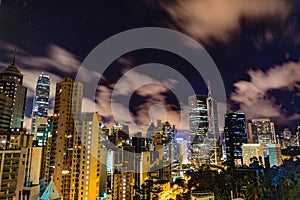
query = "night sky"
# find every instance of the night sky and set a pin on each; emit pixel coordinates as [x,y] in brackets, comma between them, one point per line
[255,45]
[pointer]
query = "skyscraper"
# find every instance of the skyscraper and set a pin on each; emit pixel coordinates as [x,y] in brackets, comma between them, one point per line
[41,100]
[11,80]
[65,144]
[235,137]
[213,136]
[198,118]
[88,170]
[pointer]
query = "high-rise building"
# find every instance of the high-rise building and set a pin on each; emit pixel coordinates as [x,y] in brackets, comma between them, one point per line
[11,80]
[213,136]
[88,131]
[43,137]
[41,100]
[66,146]
[285,138]
[261,131]
[275,155]
[235,137]
[252,150]
[19,166]
[198,119]
[123,186]
[198,116]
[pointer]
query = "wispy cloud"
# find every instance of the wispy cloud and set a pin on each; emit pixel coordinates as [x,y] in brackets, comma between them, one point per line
[218,19]
[254,97]
[149,89]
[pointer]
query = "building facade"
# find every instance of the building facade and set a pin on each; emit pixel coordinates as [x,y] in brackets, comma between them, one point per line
[252,150]
[41,100]
[275,158]
[198,120]
[11,86]
[65,143]
[235,137]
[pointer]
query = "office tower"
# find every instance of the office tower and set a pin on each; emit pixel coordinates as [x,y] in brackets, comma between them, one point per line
[65,143]
[87,171]
[139,144]
[41,100]
[123,186]
[198,119]
[285,138]
[235,137]
[213,136]
[252,150]
[43,130]
[274,155]
[11,81]
[43,138]
[163,144]
[183,150]
[103,173]
[261,131]
[144,166]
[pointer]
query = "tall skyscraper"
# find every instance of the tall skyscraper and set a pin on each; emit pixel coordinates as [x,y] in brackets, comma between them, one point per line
[198,119]
[213,136]
[198,116]
[88,170]
[235,137]
[11,80]
[41,100]
[65,144]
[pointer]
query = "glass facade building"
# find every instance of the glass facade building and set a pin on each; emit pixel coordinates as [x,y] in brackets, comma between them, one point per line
[41,100]
[235,137]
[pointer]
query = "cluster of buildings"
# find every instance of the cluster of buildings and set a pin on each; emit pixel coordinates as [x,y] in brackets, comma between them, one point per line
[73,155]
[239,141]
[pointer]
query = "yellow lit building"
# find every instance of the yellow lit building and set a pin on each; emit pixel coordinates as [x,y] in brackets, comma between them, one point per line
[65,154]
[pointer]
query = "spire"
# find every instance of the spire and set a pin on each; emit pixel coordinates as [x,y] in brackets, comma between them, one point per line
[14,59]
[209,88]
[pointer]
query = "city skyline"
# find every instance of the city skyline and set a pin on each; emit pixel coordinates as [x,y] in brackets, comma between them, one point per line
[150,100]
[249,81]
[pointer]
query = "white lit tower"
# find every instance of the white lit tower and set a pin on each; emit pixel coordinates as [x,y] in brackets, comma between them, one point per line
[213,137]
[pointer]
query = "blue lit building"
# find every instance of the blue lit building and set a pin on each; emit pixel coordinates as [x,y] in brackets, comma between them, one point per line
[235,136]
[41,100]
